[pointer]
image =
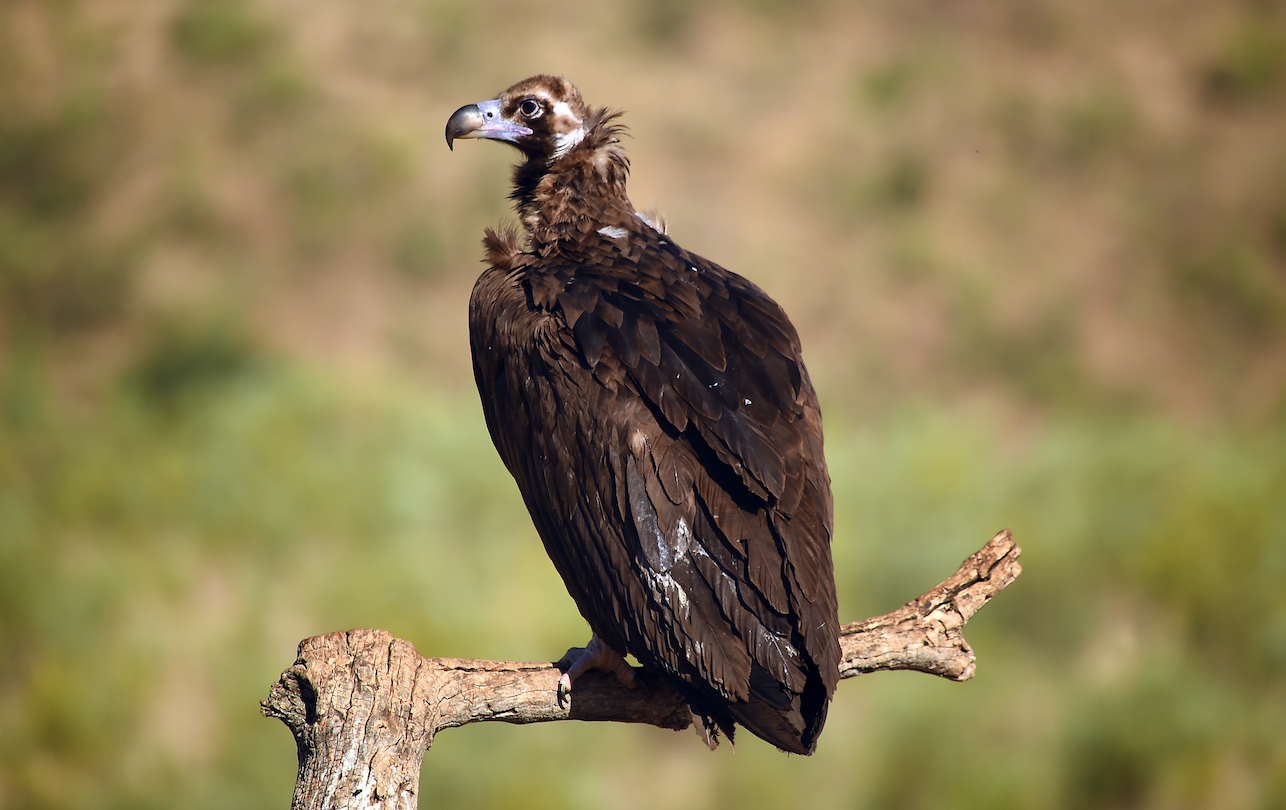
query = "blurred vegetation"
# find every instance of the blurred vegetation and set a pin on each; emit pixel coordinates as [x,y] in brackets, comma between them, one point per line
[1036,252]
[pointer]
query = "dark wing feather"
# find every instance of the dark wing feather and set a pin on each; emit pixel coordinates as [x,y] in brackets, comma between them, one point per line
[655,412]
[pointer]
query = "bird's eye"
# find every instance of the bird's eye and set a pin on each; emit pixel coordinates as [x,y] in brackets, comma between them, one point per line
[530,108]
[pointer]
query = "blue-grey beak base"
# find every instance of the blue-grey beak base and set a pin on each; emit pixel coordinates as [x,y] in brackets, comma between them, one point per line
[483,120]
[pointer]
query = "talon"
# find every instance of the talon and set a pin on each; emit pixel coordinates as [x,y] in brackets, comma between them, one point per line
[595,655]
[564,689]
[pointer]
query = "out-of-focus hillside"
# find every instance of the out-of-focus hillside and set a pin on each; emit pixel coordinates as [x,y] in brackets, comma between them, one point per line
[1055,204]
[1036,252]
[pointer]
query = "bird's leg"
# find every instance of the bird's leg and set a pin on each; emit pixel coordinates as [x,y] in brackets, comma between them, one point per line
[594,655]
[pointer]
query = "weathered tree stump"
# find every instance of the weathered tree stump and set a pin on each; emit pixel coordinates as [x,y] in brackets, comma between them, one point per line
[364,706]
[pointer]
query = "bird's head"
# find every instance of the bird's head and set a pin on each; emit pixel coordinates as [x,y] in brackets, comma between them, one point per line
[543,116]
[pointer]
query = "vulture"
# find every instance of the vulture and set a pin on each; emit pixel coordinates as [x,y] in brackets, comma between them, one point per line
[656,414]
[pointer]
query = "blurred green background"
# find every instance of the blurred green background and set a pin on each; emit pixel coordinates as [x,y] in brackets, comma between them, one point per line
[1036,252]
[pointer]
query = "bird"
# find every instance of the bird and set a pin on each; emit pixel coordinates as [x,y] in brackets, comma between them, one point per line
[656,414]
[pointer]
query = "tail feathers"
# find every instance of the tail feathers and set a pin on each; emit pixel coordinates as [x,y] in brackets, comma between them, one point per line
[710,727]
[792,722]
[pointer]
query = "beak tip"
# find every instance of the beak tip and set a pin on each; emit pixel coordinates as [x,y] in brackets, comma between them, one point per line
[463,124]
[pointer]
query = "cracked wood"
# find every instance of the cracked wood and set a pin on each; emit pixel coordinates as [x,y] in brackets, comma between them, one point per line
[364,706]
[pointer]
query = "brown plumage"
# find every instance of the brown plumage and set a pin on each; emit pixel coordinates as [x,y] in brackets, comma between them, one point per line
[655,411]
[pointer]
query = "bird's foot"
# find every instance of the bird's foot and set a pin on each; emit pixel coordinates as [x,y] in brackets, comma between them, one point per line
[594,655]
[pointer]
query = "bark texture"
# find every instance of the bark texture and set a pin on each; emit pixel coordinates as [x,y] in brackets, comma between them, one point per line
[364,706]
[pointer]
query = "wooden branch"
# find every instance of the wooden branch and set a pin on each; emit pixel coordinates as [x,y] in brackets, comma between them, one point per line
[364,706]
[927,634]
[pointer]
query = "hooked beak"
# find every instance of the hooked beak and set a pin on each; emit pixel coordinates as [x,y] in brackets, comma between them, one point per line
[483,120]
